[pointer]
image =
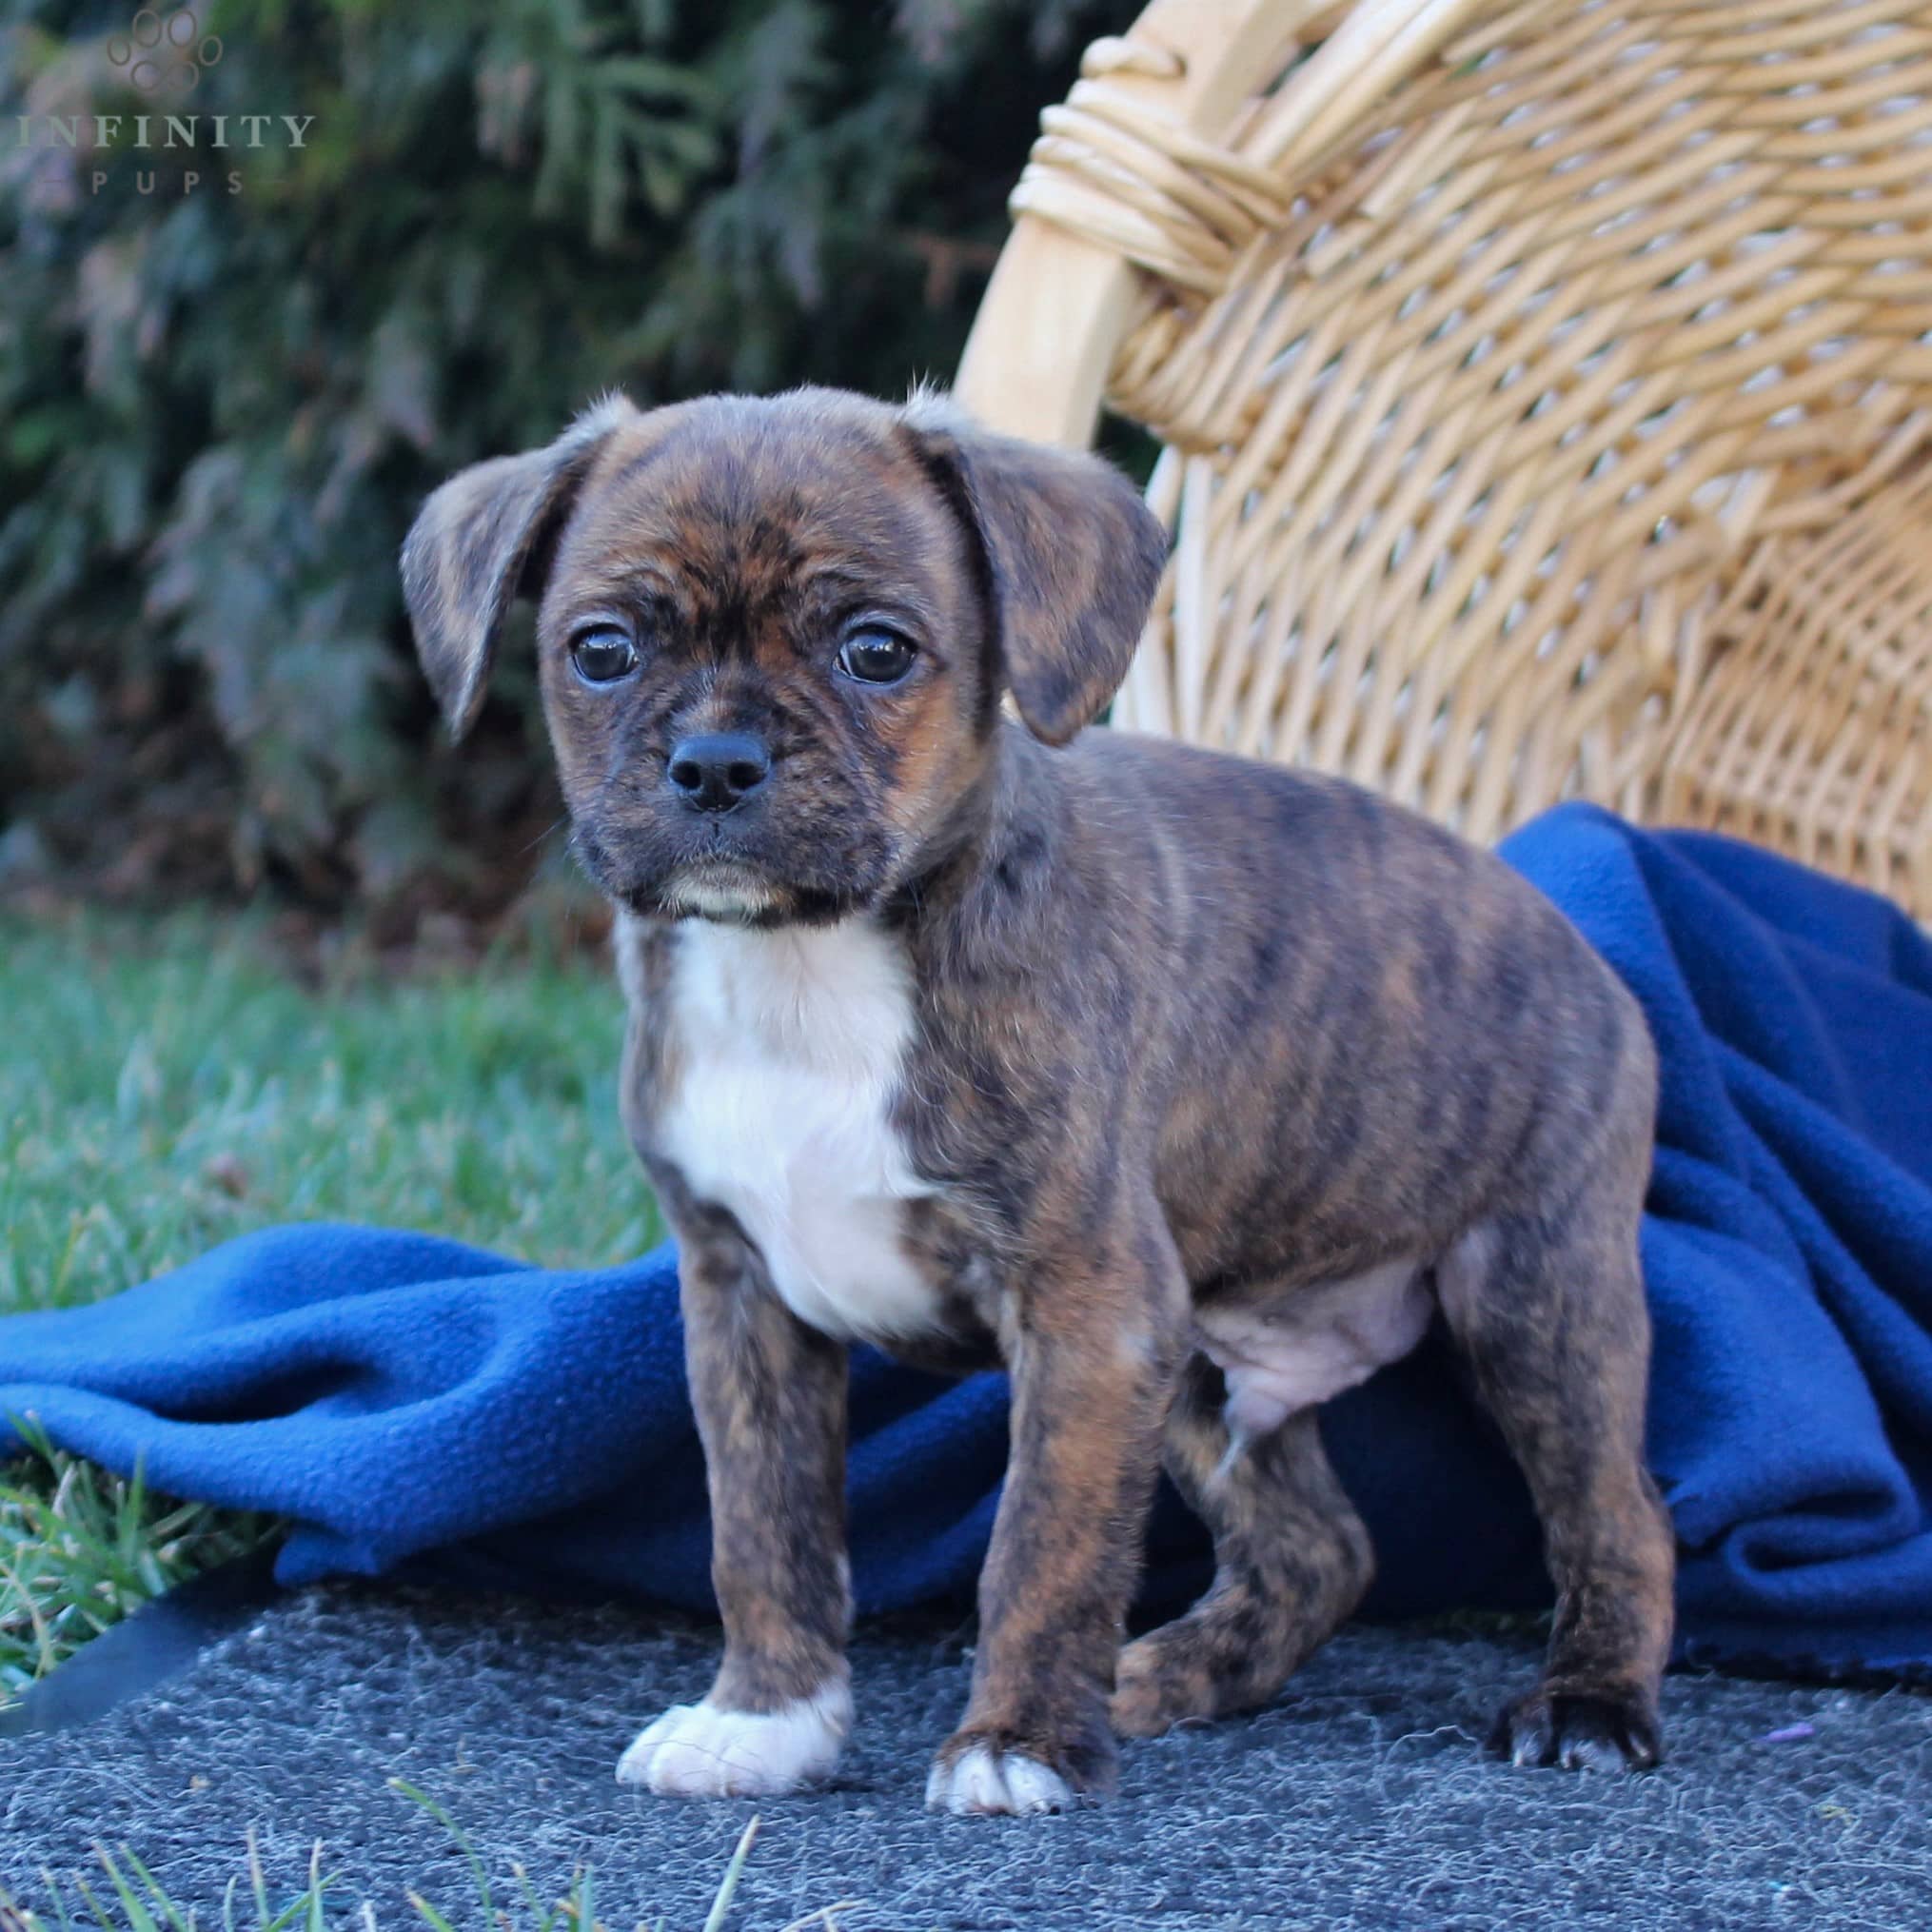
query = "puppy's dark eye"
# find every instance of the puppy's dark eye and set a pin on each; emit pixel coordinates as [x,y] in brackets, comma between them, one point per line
[876,656]
[602,656]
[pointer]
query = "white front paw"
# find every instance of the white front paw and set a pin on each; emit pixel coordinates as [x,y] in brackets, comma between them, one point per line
[985,1782]
[697,1750]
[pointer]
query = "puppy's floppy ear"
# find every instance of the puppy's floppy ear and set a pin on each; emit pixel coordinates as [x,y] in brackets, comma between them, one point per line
[479,538]
[1072,555]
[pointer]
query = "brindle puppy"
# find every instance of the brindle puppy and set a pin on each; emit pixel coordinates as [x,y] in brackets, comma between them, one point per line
[1187,1088]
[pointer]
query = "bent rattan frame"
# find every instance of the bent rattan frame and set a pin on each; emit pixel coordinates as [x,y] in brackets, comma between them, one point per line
[1542,390]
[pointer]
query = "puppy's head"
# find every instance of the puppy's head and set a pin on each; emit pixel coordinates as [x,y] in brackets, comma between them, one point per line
[773,634]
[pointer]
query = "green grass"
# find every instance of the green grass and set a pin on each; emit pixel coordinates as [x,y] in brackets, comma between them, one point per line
[164,1087]
[79,1549]
[127,1897]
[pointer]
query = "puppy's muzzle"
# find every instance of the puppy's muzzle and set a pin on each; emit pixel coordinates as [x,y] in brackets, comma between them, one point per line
[718,770]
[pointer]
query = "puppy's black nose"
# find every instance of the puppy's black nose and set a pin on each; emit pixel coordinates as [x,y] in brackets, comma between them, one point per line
[718,770]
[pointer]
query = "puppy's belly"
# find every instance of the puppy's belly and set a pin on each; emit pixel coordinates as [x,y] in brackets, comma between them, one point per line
[1284,1356]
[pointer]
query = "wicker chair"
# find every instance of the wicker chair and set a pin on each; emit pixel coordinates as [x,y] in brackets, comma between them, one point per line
[1543,391]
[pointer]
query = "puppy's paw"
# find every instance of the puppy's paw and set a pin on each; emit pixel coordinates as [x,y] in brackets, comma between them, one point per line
[985,1782]
[1615,1730]
[997,1773]
[1157,1683]
[697,1750]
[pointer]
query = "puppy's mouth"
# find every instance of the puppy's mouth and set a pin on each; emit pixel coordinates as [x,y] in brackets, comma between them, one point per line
[729,889]
[740,894]
[717,880]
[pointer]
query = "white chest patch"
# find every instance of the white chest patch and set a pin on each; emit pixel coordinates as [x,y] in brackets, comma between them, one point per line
[789,1047]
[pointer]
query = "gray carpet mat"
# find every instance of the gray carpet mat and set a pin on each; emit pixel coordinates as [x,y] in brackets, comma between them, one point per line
[1361,1800]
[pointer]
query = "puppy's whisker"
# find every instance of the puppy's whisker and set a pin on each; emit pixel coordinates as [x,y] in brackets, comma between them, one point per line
[549,833]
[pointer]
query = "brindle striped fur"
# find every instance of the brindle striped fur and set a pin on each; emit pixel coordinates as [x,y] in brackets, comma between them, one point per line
[1192,1035]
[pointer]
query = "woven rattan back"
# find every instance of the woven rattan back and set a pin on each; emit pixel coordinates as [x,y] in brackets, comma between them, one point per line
[1542,390]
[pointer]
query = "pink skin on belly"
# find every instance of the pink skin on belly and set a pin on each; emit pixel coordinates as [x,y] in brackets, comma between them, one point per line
[1317,1342]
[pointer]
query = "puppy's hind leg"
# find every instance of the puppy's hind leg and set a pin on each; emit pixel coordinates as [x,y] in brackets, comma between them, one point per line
[1549,1310]
[1293,1559]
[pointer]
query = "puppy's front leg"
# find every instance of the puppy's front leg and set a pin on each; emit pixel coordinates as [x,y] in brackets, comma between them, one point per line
[770,1398]
[1093,1364]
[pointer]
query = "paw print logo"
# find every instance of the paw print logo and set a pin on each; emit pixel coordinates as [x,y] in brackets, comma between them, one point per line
[165,55]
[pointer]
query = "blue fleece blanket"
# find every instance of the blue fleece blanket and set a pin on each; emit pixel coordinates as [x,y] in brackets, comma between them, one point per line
[412,1403]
